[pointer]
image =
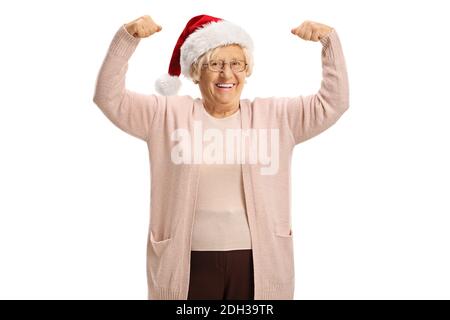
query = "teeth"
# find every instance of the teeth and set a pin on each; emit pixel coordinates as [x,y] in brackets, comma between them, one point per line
[225,85]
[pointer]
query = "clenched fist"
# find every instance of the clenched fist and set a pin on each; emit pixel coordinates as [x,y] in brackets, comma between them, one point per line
[142,27]
[311,31]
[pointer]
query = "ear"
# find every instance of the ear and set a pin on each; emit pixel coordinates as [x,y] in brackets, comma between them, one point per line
[192,71]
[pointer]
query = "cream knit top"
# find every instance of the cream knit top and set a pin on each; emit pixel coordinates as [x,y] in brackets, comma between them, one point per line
[220,221]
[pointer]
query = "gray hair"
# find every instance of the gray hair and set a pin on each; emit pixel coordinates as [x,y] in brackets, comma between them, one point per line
[196,67]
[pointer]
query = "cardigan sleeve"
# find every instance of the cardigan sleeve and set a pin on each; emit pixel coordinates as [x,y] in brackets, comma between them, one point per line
[130,111]
[307,116]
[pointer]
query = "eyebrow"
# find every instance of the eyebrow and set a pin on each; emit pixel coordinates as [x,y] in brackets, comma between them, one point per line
[234,58]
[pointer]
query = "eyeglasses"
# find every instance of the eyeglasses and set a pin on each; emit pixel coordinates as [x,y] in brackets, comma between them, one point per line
[218,65]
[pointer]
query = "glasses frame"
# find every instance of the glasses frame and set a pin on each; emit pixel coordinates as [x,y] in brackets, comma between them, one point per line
[223,65]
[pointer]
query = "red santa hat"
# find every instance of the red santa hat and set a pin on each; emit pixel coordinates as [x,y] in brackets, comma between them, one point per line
[201,34]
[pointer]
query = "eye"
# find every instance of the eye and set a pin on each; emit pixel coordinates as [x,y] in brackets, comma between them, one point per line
[213,63]
[236,63]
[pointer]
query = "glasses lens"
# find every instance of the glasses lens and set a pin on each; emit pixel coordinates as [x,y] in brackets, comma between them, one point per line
[216,65]
[237,66]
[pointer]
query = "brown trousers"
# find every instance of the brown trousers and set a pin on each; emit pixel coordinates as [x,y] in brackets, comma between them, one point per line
[221,275]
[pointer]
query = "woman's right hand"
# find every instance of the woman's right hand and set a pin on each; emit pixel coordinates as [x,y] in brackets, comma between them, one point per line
[142,27]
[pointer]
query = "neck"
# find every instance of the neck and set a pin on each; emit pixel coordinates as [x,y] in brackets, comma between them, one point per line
[221,110]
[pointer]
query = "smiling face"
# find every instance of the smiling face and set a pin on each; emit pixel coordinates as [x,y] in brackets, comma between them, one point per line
[223,98]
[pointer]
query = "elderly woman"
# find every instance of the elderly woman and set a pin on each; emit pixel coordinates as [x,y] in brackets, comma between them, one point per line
[220,222]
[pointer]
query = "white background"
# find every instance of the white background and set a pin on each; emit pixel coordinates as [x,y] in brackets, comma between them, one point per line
[370,195]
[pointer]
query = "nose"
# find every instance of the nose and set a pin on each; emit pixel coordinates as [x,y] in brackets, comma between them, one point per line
[226,71]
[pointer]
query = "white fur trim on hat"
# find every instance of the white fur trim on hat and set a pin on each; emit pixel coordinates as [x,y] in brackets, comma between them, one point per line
[168,85]
[210,36]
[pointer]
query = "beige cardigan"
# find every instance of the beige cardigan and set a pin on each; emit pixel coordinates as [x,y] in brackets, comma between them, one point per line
[154,118]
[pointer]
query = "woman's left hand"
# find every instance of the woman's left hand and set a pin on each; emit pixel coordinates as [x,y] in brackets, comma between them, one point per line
[312,31]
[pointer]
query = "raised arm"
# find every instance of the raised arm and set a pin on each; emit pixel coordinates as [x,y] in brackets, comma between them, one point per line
[130,111]
[310,115]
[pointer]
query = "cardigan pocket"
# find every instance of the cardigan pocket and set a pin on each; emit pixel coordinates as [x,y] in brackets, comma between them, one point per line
[283,230]
[284,251]
[159,246]
[161,262]
[282,235]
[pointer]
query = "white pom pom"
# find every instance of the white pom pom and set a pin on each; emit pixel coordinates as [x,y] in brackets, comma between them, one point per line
[168,85]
